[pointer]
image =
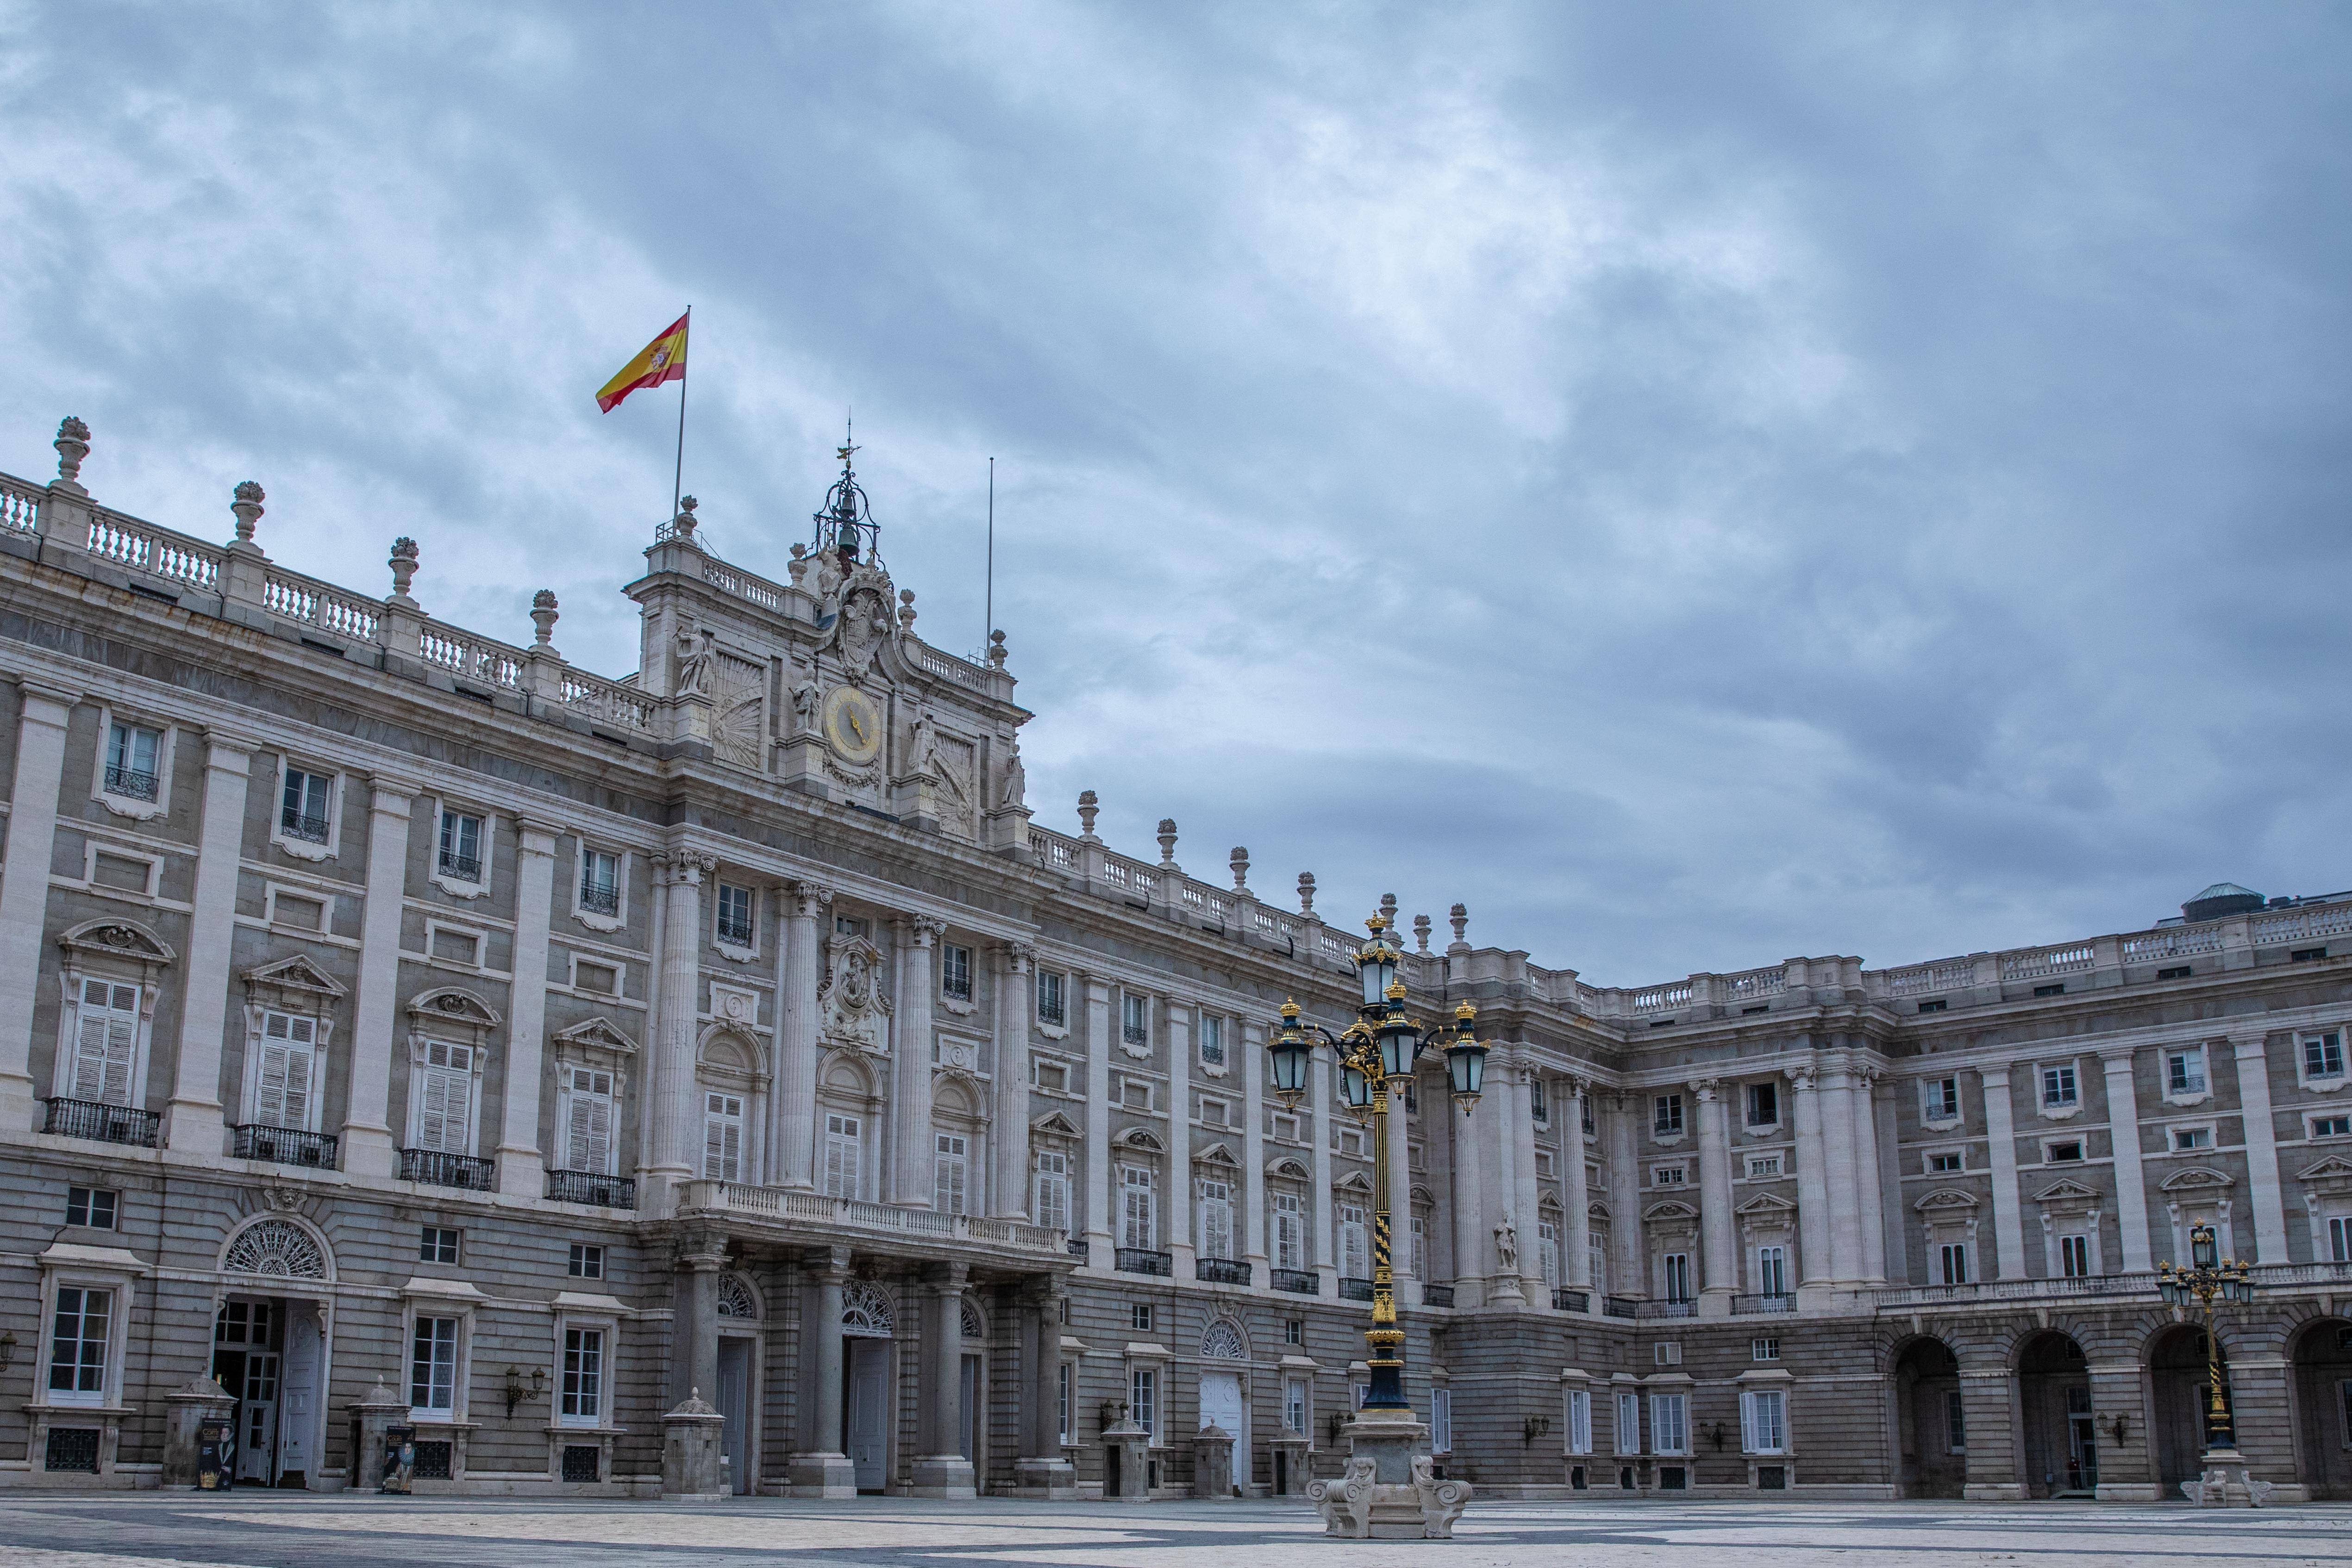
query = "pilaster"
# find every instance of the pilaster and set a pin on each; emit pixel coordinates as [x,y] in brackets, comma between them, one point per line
[1575,1192]
[367,1140]
[944,1473]
[820,1469]
[2261,1145]
[1870,1184]
[521,1163]
[2000,1153]
[194,1121]
[1008,1143]
[1253,1183]
[911,1142]
[675,1150]
[2131,1179]
[1099,1218]
[32,834]
[1813,1180]
[1183,1254]
[1717,1250]
[793,1101]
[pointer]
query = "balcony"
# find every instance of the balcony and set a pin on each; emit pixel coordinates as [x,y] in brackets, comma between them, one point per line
[458,866]
[1437,1295]
[1221,1271]
[431,1167]
[1078,1247]
[1619,1306]
[1355,1290]
[1141,1260]
[603,900]
[818,1212]
[102,1124]
[1665,1309]
[284,1146]
[310,830]
[593,1188]
[130,783]
[1567,1301]
[1771,1301]
[1297,1281]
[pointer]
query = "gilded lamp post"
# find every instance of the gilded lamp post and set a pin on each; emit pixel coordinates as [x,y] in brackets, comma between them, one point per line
[1376,1054]
[2209,1276]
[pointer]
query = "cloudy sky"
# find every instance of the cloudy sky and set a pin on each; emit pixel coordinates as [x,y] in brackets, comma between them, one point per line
[1698,484]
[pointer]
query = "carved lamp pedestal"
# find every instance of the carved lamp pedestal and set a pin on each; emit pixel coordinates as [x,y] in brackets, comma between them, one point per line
[1389,1492]
[2226,1483]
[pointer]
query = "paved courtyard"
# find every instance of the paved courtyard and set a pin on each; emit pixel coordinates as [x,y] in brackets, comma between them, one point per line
[265,1529]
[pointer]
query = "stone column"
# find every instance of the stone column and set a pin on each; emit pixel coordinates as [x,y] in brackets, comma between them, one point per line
[1319,1102]
[2000,1153]
[194,1120]
[521,1163]
[910,1045]
[2262,1146]
[677,1151]
[32,827]
[2127,1471]
[1043,1471]
[368,1140]
[1718,1248]
[1813,1180]
[1629,1253]
[2131,1179]
[793,1104]
[1400,1176]
[694,1357]
[1008,1136]
[1843,1169]
[1576,1192]
[1870,1187]
[820,1470]
[1182,1252]
[1469,1219]
[1252,1195]
[1100,1235]
[945,1472]
[1529,1214]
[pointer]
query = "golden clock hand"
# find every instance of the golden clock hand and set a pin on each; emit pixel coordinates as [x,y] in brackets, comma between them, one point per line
[855,729]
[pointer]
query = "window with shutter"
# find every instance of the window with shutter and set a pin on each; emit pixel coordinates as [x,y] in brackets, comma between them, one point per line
[588,1123]
[1138,1213]
[1629,1422]
[1440,1421]
[1054,1189]
[282,1084]
[950,1172]
[1420,1248]
[841,1146]
[106,1036]
[1289,1232]
[1216,1219]
[1548,1247]
[1763,1422]
[1355,1245]
[1669,1428]
[722,1138]
[444,1085]
[1580,1421]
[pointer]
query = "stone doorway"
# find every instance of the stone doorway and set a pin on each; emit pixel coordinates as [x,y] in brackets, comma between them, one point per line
[1931,1432]
[2053,1384]
[2177,1405]
[2322,1360]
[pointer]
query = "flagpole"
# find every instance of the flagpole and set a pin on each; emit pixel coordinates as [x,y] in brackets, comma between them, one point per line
[989,614]
[677,475]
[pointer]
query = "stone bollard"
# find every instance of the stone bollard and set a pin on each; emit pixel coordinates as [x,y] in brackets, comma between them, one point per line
[182,1430]
[371,1418]
[1213,1463]
[692,1470]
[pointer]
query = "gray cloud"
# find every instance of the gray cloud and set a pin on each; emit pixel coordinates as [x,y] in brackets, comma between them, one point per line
[1698,484]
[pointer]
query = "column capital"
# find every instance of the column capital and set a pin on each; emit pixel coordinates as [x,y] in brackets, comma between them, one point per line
[832,1266]
[2250,1043]
[50,694]
[1994,1077]
[1801,1079]
[682,868]
[220,742]
[809,899]
[391,794]
[1708,1089]
[536,836]
[2118,1059]
[922,930]
[950,1279]
[1016,957]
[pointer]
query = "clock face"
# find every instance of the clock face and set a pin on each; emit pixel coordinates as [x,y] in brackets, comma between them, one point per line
[853,724]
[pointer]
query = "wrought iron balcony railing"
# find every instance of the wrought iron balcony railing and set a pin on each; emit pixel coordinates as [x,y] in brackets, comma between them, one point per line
[1355,1290]
[1138,1261]
[463,867]
[296,825]
[1618,1306]
[435,1169]
[605,900]
[1297,1281]
[102,1124]
[130,783]
[593,1188]
[284,1146]
[1567,1301]
[1771,1301]
[1437,1295]
[1221,1271]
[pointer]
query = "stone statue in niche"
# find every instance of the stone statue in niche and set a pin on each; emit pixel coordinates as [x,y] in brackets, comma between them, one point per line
[923,746]
[695,651]
[1016,781]
[1507,1246]
[805,700]
[864,625]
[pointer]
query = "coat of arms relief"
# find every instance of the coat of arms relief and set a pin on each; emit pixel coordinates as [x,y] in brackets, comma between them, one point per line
[852,1012]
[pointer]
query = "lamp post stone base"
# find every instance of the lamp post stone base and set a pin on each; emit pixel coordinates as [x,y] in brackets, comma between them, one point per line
[1389,1492]
[821,1476]
[2226,1483]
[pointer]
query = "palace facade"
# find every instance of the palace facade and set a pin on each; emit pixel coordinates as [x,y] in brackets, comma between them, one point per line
[401,1025]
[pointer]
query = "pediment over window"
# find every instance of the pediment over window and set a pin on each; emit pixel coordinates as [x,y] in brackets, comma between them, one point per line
[1356,1182]
[1054,1124]
[1598,1210]
[1286,1170]
[1139,1138]
[2197,1176]
[2335,1167]
[1768,1204]
[1950,1197]
[1216,1154]
[122,939]
[597,1034]
[449,1005]
[1672,1208]
[2068,1192]
[296,975]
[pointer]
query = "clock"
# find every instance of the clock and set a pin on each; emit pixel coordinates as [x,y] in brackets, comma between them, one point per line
[853,724]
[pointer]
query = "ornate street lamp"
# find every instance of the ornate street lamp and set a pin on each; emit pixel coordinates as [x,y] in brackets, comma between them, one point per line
[2208,1277]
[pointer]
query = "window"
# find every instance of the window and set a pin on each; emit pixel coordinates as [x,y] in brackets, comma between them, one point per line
[588,1121]
[93,1207]
[1629,1422]
[735,928]
[131,760]
[1139,1212]
[955,972]
[1669,1424]
[1053,1190]
[1062,1401]
[1956,1422]
[2177,972]
[1667,1116]
[1420,1246]
[1548,1249]
[443,1084]
[583,1377]
[1539,1101]
[722,1138]
[437,1244]
[302,809]
[2054,991]
[1050,985]
[950,1172]
[1289,1232]
[2184,1138]
[2072,1149]
[842,1152]
[587,1261]
[1213,1040]
[2323,1055]
[1939,1100]
[1669,1175]
[1763,1104]
[461,846]
[1580,1421]
[1143,1400]
[432,1366]
[1355,1244]
[2331,1126]
[1584,1112]
[1441,1420]
[106,1032]
[2058,1088]
[1954,1256]
[1764,1421]
[1771,1271]
[600,882]
[77,1345]
[1935,1005]
[1135,1019]
[852,925]
[1294,1331]
[2339,1239]
[284,1073]
[1945,1161]
[2184,1070]
[2074,1257]
[1349,1140]
[1139,1316]
[1677,1272]
[1293,1405]
[1764,1347]
[1216,1218]
[1596,1258]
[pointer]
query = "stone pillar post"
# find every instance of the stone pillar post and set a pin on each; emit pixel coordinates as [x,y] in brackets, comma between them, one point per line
[32,830]
[1631,1252]
[1526,1210]
[1469,1216]
[1043,1470]
[2262,1146]
[1843,1169]
[2000,1153]
[1252,1193]
[194,1121]
[1182,1254]
[1575,1192]
[692,1434]
[677,1151]
[1100,1235]
[368,1140]
[191,1406]
[1008,1133]
[1718,1248]
[2127,1473]
[693,1339]
[1870,1187]
[910,1044]
[1813,1180]
[521,1164]
[1988,1407]
[944,1473]
[793,1101]
[2131,1179]
[820,1470]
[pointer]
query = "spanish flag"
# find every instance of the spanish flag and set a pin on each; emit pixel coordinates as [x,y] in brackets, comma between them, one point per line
[663,360]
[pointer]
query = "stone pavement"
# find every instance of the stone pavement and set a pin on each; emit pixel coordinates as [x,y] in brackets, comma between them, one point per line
[281,1529]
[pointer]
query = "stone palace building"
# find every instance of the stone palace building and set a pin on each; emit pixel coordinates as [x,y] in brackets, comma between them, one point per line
[398,1024]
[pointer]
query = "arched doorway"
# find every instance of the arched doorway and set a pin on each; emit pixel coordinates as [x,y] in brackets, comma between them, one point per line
[2322,1407]
[1931,1432]
[2177,1383]
[2054,1387]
